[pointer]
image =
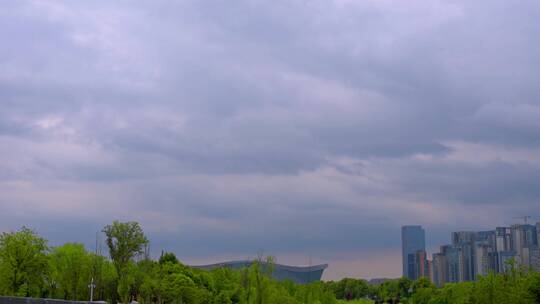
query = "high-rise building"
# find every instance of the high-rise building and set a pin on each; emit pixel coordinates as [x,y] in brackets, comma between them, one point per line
[503,239]
[504,258]
[487,237]
[422,264]
[465,241]
[535,257]
[466,262]
[477,253]
[454,263]
[482,263]
[484,253]
[413,240]
[523,237]
[439,266]
[538,234]
[493,261]
[463,237]
[429,270]
[526,256]
[472,253]
[530,237]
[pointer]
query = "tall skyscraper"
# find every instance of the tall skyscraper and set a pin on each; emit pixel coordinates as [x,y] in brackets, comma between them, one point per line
[454,263]
[464,241]
[523,237]
[503,239]
[488,237]
[535,258]
[482,265]
[463,237]
[422,264]
[538,234]
[477,253]
[439,269]
[504,257]
[413,240]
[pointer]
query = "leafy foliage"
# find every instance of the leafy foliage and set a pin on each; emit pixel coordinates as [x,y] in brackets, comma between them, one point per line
[70,267]
[23,263]
[515,287]
[125,241]
[28,267]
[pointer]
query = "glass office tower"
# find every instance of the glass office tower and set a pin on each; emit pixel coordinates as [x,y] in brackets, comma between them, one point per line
[413,240]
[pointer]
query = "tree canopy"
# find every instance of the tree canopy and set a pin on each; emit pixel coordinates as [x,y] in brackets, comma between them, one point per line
[30,268]
[125,241]
[23,263]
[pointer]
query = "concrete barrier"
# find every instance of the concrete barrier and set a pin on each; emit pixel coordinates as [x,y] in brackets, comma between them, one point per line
[18,300]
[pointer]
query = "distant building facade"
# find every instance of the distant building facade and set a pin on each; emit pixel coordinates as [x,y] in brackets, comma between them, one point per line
[535,258]
[413,245]
[538,233]
[439,265]
[503,239]
[472,254]
[379,281]
[296,274]
[504,259]
[422,264]
[523,237]
[481,259]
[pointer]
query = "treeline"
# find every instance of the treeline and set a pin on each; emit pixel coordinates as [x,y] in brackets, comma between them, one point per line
[31,268]
[517,286]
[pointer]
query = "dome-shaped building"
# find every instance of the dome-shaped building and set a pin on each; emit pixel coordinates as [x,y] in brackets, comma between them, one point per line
[296,274]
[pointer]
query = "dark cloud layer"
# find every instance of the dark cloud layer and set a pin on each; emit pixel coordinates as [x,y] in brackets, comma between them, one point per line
[298,128]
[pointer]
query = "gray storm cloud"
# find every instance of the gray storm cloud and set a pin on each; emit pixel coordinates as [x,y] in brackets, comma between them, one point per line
[301,128]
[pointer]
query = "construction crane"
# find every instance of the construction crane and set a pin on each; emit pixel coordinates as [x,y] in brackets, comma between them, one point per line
[525,218]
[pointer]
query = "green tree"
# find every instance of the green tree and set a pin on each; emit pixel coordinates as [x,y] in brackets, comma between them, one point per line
[147,280]
[489,289]
[222,297]
[23,263]
[178,286]
[246,283]
[108,282]
[168,257]
[404,287]
[517,284]
[105,278]
[389,291]
[261,272]
[127,281]
[534,286]
[455,293]
[125,241]
[71,267]
[423,291]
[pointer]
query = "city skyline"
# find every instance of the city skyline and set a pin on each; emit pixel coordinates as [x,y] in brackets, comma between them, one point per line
[471,254]
[304,129]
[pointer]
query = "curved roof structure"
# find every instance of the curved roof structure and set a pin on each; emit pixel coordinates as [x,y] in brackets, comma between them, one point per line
[297,274]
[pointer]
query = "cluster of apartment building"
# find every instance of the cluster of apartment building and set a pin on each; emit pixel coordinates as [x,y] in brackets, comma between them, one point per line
[471,253]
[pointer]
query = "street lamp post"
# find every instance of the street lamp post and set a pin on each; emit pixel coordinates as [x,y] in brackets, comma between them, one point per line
[92,286]
[53,288]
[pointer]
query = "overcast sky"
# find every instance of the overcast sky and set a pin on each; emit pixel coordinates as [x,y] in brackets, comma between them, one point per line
[309,130]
